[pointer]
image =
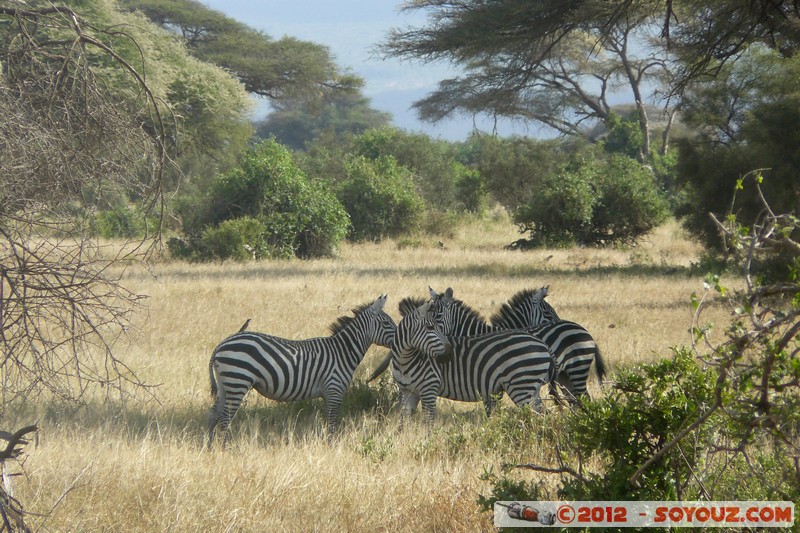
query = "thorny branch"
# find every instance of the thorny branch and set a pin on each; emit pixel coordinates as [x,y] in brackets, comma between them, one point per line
[81,131]
[11,510]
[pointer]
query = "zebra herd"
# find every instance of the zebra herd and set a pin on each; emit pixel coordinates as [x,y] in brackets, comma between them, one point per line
[440,347]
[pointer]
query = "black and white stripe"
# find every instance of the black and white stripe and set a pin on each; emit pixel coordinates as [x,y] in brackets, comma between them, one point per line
[527,308]
[418,349]
[572,345]
[481,367]
[285,370]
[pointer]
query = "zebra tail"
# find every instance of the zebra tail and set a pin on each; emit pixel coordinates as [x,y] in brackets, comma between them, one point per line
[381,367]
[600,365]
[212,377]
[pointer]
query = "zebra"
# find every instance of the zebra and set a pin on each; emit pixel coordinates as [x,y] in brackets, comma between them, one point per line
[418,348]
[572,345]
[525,309]
[285,370]
[481,367]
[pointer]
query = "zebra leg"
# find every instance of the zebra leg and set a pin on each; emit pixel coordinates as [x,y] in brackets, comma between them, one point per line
[223,411]
[408,403]
[572,388]
[333,402]
[527,395]
[489,403]
[429,409]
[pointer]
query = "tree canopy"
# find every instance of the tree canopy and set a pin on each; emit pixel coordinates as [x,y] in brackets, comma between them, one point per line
[559,62]
[276,69]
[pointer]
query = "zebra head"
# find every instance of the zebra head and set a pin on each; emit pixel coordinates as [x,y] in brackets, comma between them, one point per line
[421,331]
[385,326]
[371,322]
[457,318]
[526,309]
[441,309]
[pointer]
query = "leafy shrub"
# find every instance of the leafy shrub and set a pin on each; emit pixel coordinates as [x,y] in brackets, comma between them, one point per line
[514,168]
[120,222]
[381,199]
[629,204]
[434,166]
[471,189]
[624,136]
[741,126]
[593,202]
[269,193]
[561,212]
[237,238]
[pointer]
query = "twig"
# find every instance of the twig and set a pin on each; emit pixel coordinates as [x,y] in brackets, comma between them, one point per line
[15,440]
[547,470]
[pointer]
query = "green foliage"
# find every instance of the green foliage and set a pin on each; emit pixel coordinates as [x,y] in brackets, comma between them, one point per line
[209,107]
[593,202]
[513,169]
[297,123]
[432,163]
[645,410]
[237,238]
[624,136]
[288,68]
[747,120]
[381,199]
[122,222]
[471,189]
[295,216]
[561,213]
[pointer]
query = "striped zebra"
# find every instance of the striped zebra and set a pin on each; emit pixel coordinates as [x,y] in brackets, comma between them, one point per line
[572,345]
[286,370]
[481,367]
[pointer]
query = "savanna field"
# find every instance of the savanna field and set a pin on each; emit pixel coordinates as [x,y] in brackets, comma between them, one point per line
[139,464]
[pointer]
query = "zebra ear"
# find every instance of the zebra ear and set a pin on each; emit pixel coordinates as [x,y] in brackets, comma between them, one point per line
[432,292]
[422,310]
[378,304]
[448,294]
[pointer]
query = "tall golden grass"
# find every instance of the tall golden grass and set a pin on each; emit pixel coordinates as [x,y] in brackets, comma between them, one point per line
[138,463]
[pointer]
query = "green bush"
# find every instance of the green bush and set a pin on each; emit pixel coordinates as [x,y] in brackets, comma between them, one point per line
[268,193]
[120,222]
[381,199]
[597,201]
[629,204]
[237,238]
[471,189]
[741,127]
[431,163]
[561,212]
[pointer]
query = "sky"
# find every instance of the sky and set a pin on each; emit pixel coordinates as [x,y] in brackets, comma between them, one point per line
[351,29]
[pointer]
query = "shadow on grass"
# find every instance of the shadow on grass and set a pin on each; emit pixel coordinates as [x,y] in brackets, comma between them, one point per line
[185,422]
[536,271]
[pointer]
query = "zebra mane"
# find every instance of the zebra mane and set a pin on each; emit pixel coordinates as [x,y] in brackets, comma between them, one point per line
[408,304]
[343,321]
[507,309]
[472,314]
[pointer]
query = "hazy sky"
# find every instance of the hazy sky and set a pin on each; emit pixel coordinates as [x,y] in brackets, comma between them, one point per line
[351,29]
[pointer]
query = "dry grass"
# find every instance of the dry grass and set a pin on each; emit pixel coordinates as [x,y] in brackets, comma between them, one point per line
[140,466]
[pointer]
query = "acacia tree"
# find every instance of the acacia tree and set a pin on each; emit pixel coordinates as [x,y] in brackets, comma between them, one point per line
[71,135]
[275,69]
[554,62]
[557,63]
